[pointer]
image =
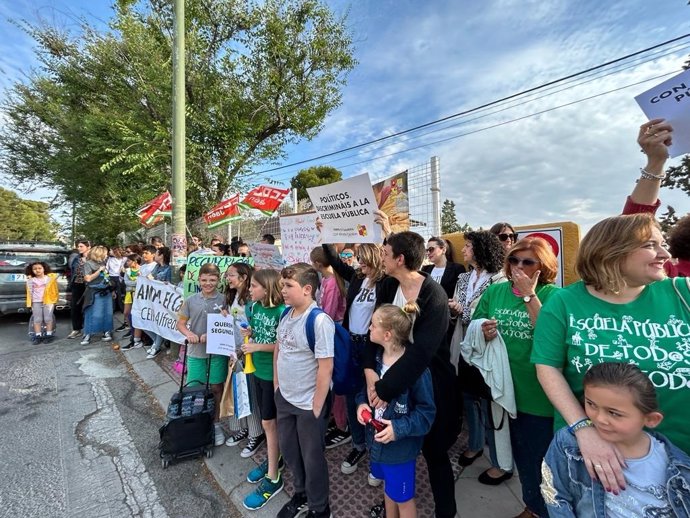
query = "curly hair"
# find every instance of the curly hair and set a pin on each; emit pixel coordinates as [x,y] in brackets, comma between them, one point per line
[488,250]
[679,239]
[29,270]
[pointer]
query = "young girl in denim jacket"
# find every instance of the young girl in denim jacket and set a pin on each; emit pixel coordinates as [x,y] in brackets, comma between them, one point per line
[620,402]
[407,418]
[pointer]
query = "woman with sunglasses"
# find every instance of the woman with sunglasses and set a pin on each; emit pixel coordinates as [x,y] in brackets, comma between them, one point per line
[442,269]
[511,309]
[505,233]
[364,284]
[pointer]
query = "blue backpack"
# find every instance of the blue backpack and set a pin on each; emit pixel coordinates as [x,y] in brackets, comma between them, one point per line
[347,372]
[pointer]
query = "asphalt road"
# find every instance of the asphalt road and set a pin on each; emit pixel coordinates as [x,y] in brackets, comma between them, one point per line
[80,433]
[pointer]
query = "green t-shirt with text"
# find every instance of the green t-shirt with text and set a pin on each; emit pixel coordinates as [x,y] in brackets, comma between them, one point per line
[264,324]
[500,303]
[576,330]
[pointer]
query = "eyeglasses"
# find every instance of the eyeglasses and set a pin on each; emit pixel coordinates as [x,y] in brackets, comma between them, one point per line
[515,261]
[504,237]
[431,249]
[346,255]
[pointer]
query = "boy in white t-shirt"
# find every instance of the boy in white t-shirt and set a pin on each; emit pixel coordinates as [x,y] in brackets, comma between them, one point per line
[302,380]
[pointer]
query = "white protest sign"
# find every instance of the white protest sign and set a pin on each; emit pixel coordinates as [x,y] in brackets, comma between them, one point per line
[670,100]
[266,256]
[298,237]
[346,209]
[220,335]
[155,308]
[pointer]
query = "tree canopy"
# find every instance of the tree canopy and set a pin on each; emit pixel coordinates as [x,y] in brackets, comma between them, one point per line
[449,219]
[94,122]
[314,177]
[24,220]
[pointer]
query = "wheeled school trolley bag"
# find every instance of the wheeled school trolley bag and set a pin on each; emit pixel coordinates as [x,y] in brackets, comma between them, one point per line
[189,431]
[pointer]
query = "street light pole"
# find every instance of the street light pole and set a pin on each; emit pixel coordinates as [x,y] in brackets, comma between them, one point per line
[179,239]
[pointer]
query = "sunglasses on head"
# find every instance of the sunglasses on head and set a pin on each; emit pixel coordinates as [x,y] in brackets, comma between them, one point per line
[346,255]
[504,237]
[515,261]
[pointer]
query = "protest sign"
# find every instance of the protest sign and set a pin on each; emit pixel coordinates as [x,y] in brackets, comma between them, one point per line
[220,335]
[155,308]
[670,100]
[266,256]
[392,198]
[298,237]
[346,209]
[196,261]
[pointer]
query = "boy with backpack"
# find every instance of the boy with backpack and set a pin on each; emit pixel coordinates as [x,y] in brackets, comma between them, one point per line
[302,379]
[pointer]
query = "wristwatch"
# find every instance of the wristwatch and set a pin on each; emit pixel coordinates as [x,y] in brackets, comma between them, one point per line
[527,298]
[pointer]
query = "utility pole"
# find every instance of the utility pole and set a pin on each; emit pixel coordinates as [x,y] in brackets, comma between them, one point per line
[179,218]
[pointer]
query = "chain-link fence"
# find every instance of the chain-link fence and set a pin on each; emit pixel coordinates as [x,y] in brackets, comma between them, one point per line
[423,194]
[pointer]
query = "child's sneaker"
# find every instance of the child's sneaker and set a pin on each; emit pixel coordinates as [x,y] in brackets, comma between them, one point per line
[261,470]
[128,333]
[240,436]
[252,446]
[107,337]
[219,435]
[326,513]
[337,437]
[266,490]
[122,327]
[85,340]
[47,339]
[373,481]
[127,346]
[349,465]
[152,353]
[137,343]
[297,506]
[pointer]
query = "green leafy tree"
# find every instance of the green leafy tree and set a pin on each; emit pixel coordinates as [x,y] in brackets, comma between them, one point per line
[24,220]
[94,122]
[677,177]
[314,177]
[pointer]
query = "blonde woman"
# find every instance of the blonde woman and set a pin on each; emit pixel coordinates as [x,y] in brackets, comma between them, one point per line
[98,297]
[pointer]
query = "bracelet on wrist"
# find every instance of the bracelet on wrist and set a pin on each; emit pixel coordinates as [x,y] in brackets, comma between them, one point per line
[579,425]
[649,176]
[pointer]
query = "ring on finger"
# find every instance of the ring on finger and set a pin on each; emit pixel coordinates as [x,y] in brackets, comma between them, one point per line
[597,465]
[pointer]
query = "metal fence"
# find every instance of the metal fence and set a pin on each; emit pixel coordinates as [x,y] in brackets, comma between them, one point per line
[424,195]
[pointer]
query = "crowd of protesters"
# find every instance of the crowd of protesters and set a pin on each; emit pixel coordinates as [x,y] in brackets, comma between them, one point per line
[524,362]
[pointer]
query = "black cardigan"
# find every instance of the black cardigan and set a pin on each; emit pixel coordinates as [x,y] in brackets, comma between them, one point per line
[450,276]
[348,273]
[429,348]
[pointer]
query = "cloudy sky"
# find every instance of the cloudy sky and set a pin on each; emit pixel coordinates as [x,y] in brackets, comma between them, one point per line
[422,61]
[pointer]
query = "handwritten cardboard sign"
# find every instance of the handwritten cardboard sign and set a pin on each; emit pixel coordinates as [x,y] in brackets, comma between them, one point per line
[670,100]
[266,256]
[298,237]
[196,261]
[346,209]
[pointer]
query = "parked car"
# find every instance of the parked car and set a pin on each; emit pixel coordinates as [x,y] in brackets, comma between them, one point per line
[15,257]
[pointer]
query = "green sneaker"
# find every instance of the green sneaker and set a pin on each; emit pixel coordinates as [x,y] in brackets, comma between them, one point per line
[263,493]
[258,473]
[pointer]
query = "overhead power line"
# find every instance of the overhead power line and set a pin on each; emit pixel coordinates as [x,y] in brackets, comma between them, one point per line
[480,107]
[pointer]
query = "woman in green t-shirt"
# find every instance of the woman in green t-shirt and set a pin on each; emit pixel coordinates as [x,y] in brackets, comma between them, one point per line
[512,309]
[624,309]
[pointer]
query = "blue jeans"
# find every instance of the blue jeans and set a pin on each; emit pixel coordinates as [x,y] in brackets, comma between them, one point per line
[530,436]
[157,340]
[479,426]
[356,429]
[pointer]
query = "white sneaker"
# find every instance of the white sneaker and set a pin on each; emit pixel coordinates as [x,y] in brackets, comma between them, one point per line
[85,340]
[219,435]
[107,337]
[152,353]
[373,481]
[137,344]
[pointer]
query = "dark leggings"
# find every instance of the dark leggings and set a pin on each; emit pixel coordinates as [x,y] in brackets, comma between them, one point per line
[76,306]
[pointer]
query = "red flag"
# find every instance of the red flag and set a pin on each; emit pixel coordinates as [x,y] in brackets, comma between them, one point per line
[264,198]
[226,211]
[153,211]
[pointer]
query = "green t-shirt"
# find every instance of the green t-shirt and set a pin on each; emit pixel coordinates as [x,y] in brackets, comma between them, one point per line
[576,330]
[500,303]
[264,324]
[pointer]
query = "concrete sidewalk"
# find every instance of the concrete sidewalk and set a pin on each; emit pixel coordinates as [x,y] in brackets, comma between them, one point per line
[351,496]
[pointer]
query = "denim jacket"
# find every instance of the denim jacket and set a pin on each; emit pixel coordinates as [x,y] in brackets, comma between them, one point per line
[411,414]
[569,491]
